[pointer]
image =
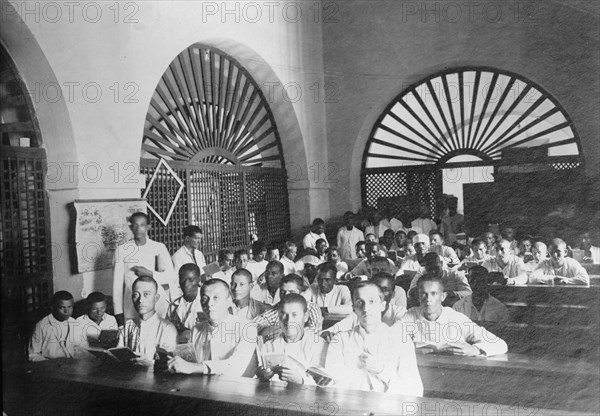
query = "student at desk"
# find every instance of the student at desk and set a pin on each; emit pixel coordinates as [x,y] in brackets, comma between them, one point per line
[183,311]
[477,256]
[373,356]
[480,305]
[432,323]
[268,292]
[95,320]
[55,335]
[509,265]
[412,263]
[243,304]
[329,296]
[295,340]
[147,332]
[364,269]
[224,343]
[559,269]
[455,282]
[447,254]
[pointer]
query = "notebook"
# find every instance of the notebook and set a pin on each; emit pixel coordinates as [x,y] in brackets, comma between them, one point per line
[121,354]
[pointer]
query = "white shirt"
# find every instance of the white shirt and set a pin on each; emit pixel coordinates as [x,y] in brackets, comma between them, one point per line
[346,241]
[225,276]
[227,348]
[185,312]
[423,225]
[390,316]
[52,338]
[184,256]
[514,270]
[262,294]
[256,268]
[336,301]
[545,273]
[449,328]
[492,310]
[289,266]
[129,255]
[310,239]
[400,373]
[90,330]
[396,224]
[144,337]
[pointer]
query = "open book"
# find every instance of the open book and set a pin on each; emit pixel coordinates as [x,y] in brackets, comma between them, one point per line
[107,338]
[275,361]
[432,348]
[121,354]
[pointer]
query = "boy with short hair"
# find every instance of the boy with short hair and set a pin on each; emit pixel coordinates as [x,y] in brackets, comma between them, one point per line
[55,335]
[183,311]
[301,344]
[95,320]
[243,304]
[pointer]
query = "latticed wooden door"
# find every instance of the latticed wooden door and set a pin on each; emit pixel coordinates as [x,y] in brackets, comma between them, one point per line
[209,120]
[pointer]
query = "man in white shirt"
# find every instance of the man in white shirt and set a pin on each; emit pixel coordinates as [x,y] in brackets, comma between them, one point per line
[57,334]
[490,243]
[243,304]
[268,292]
[317,231]
[390,315]
[95,320]
[329,296]
[559,269]
[455,282]
[366,268]
[183,311]
[302,345]
[348,236]
[141,257]
[240,259]
[412,263]
[333,256]
[147,332]
[257,264]
[373,356]
[508,264]
[224,343]
[423,224]
[449,331]
[189,252]
[224,264]
[290,251]
[437,246]
[480,305]
[478,255]
[378,227]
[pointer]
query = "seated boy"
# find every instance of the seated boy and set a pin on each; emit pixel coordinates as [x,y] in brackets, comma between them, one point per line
[511,266]
[373,356]
[456,334]
[447,253]
[55,335]
[292,283]
[183,311]
[267,292]
[301,344]
[224,343]
[390,315]
[329,296]
[364,269]
[95,320]
[477,256]
[480,305]
[243,304]
[559,269]
[144,334]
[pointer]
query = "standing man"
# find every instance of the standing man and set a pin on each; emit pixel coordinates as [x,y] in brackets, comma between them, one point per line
[452,222]
[317,231]
[348,236]
[137,258]
[189,252]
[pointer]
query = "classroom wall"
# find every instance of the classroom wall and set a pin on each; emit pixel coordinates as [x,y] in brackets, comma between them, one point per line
[107,58]
[374,50]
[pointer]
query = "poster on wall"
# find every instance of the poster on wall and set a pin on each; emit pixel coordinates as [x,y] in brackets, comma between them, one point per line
[102,225]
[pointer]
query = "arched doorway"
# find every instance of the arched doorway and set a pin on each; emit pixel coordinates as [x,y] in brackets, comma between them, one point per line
[25,255]
[471,117]
[209,121]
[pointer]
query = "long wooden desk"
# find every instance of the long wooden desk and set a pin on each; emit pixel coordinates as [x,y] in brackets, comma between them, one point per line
[70,387]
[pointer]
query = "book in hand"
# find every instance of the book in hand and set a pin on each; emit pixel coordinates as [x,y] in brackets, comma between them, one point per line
[320,376]
[108,338]
[275,361]
[121,354]
[432,348]
[211,269]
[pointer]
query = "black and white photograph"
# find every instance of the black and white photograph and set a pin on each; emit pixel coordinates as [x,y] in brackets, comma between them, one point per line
[300,207]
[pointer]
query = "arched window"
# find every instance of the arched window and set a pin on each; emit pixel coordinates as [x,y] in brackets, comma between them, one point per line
[25,257]
[210,122]
[463,117]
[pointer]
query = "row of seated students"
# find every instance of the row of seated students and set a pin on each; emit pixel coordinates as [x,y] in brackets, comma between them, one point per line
[258,298]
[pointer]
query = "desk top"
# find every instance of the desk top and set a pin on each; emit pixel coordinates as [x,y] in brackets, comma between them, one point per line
[179,390]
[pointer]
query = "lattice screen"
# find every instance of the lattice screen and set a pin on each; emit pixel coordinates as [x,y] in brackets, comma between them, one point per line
[401,192]
[227,202]
[24,237]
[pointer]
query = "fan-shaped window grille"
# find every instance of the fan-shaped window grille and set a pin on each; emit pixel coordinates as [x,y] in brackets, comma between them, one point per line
[208,109]
[479,112]
[209,120]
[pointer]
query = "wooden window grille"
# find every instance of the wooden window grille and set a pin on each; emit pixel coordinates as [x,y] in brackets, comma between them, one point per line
[212,124]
